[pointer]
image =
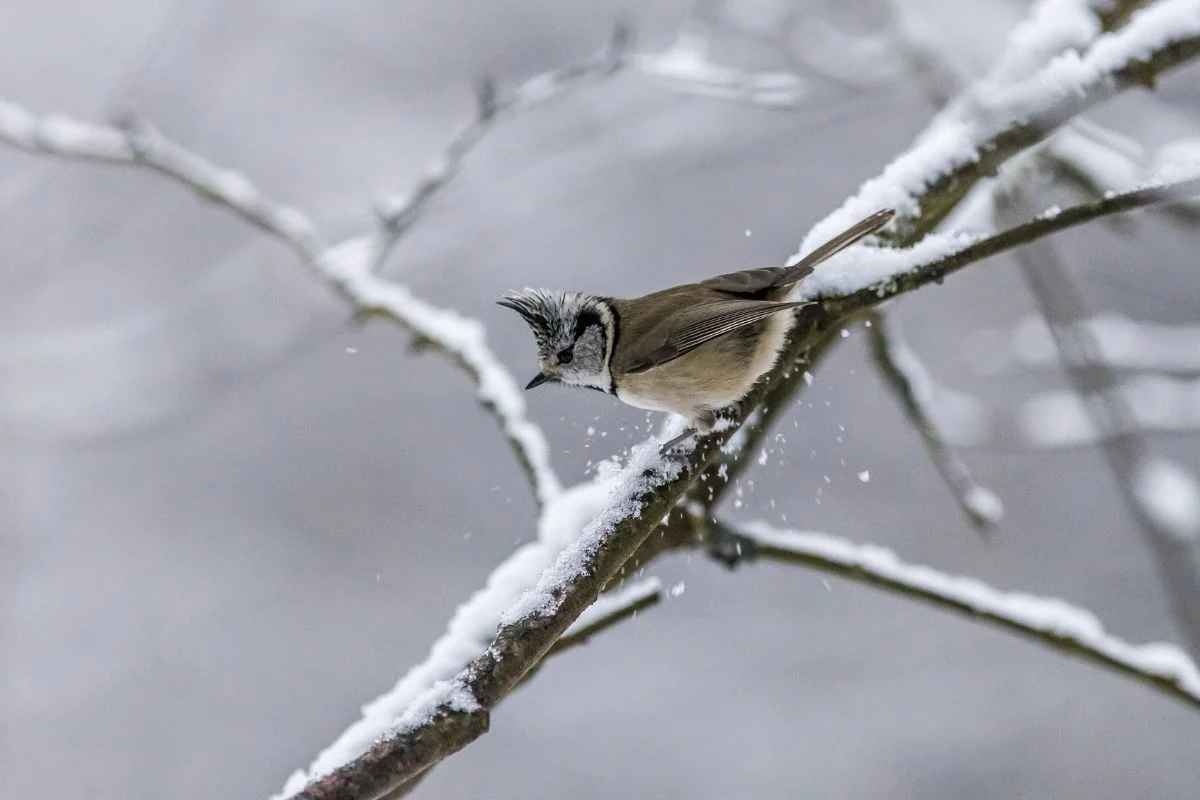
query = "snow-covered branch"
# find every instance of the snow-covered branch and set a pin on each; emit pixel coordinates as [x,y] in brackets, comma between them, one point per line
[1052,621]
[139,144]
[970,141]
[444,722]
[910,382]
[348,264]
[865,277]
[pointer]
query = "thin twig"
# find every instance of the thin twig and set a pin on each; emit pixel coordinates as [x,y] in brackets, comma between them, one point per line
[909,381]
[899,274]
[1069,629]
[398,213]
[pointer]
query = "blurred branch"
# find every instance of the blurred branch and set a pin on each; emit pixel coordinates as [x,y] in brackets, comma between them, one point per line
[398,213]
[902,271]
[345,264]
[136,143]
[1174,539]
[1121,344]
[1068,629]
[975,138]
[909,381]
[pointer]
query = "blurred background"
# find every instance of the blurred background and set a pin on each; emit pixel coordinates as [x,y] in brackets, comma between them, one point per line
[231,515]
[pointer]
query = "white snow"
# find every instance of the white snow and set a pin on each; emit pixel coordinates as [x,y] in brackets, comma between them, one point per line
[678,589]
[349,265]
[1170,496]
[1047,615]
[645,471]
[865,476]
[472,627]
[955,136]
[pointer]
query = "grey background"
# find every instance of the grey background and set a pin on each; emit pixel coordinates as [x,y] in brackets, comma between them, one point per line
[222,531]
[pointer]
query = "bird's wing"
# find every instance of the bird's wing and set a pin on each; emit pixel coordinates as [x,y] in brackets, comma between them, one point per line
[690,328]
[755,283]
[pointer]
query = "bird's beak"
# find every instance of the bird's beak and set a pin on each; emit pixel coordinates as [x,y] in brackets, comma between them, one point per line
[538,380]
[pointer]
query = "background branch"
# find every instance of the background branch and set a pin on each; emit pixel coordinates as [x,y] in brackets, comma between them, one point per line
[1175,543]
[1051,621]
[909,381]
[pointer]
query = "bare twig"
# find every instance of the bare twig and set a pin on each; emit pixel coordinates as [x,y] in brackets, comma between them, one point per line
[1067,628]
[909,381]
[398,213]
[139,144]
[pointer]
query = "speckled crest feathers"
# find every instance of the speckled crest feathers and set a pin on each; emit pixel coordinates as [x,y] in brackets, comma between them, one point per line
[550,315]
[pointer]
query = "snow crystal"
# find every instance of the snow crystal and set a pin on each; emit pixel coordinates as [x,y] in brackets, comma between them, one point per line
[1170,496]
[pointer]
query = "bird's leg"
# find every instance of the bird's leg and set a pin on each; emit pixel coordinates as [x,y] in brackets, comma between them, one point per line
[701,424]
[668,446]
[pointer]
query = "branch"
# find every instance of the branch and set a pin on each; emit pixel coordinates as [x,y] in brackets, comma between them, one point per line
[883,273]
[399,212]
[959,149]
[652,485]
[346,264]
[1051,621]
[909,381]
[140,145]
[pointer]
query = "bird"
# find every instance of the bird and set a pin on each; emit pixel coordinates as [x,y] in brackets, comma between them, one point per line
[691,350]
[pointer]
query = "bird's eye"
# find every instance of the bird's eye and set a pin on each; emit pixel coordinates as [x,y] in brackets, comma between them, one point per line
[565,356]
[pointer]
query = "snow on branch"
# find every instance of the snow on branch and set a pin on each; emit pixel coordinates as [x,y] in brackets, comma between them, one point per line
[864,277]
[960,148]
[139,144]
[910,381]
[1069,628]
[346,264]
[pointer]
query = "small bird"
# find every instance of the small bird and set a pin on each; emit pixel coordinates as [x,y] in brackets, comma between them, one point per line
[691,350]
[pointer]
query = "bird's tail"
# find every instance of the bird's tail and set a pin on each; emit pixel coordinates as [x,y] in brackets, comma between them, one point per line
[843,240]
